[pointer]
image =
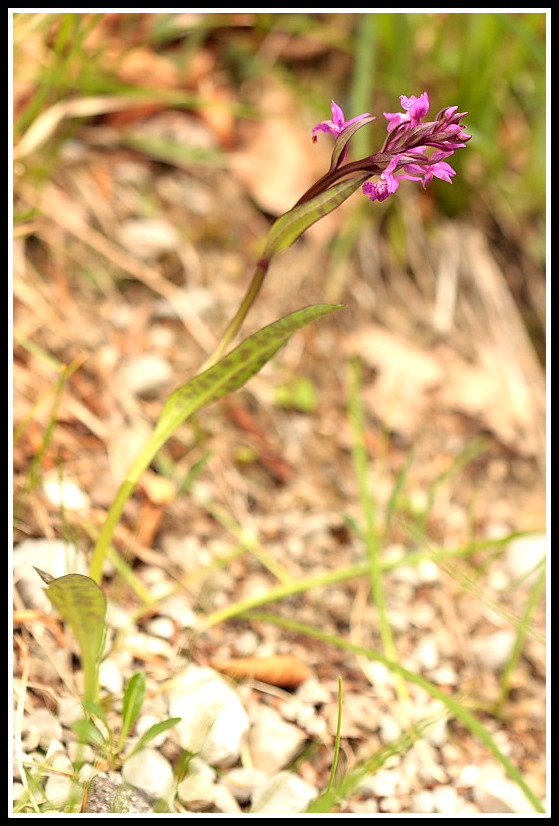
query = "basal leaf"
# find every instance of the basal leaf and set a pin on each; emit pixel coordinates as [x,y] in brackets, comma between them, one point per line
[82,605]
[132,702]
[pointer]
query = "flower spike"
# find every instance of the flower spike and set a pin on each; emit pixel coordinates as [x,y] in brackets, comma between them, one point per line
[414,149]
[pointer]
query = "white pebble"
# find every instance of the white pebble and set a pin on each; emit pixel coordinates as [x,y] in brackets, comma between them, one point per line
[422,802]
[213,720]
[494,650]
[163,627]
[285,793]
[149,771]
[63,493]
[523,554]
[445,799]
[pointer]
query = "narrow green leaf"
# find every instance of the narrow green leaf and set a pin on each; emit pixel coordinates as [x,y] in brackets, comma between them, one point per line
[154,731]
[96,710]
[292,224]
[338,739]
[82,605]
[132,703]
[87,732]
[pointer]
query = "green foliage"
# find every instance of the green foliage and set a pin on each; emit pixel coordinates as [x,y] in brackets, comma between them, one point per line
[82,605]
[98,732]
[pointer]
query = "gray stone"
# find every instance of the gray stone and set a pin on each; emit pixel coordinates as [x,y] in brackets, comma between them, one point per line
[107,793]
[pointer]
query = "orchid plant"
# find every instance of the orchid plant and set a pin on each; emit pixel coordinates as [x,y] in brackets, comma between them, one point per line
[414,150]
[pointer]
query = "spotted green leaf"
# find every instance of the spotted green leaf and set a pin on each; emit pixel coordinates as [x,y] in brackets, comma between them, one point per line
[82,606]
[293,224]
[235,368]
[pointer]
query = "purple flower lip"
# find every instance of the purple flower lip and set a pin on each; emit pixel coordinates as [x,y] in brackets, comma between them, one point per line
[338,122]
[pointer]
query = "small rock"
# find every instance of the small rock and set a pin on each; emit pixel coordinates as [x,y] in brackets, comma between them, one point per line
[428,571]
[423,802]
[494,651]
[243,781]
[468,776]
[214,722]
[306,717]
[147,238]
[137,642]
[523,554]
[59,786]
[445,800]
[107,793]
[163,627]
[224,801]
[444,675]
[111,677]
[269,728]
[494,794]
[389,729]
[436,732]
[63,493]
[427,653]
[390,805]
[385,783]
[78,752]
[149,771]
[146,374]
[363,807]
[313,693]
[197,789]
[284,793]
[41,728]
[69,711]
[18,790]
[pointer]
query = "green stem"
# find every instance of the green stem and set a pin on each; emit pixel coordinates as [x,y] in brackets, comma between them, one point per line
[236,322]
[124,492]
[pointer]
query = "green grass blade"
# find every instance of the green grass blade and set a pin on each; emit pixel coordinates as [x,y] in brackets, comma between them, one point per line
[349,783]
[454,706]
[368,509]
[338,740]
[522,631]
[234,370]
[87,732]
